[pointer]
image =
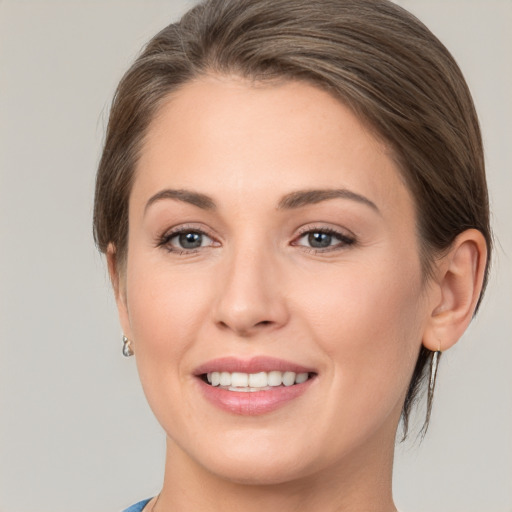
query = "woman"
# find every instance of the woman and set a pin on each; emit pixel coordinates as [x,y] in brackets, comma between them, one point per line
[293,206]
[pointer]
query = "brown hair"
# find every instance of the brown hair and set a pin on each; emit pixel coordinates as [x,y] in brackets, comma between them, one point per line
[377,58]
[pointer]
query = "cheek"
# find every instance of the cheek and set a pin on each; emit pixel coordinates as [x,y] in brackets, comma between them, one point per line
[369,322]
[165,309]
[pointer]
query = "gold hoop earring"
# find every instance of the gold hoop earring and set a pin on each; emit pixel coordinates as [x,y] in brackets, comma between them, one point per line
[127,347]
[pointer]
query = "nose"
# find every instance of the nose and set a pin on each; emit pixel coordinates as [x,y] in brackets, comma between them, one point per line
[250,297]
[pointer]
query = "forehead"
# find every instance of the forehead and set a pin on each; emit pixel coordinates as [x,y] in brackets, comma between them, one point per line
[224,134]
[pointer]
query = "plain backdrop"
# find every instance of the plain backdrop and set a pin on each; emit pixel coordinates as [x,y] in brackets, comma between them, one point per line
[75,432]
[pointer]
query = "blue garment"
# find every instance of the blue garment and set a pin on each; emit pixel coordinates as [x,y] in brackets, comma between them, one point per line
[138,506]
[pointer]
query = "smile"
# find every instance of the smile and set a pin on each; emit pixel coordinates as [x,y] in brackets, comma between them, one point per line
[251,382]
[256,386]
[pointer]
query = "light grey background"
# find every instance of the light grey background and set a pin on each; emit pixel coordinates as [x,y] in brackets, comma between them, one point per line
[75,432]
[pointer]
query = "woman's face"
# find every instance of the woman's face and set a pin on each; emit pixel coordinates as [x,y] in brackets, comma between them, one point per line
[271,240]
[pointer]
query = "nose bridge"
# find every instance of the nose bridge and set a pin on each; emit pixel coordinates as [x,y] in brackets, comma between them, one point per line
[249,295]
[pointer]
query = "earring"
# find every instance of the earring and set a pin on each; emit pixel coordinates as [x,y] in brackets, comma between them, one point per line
[127,347]
[433,371]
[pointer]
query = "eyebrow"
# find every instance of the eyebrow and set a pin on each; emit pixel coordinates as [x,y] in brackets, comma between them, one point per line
[290,201]
[306,197]
[187,196]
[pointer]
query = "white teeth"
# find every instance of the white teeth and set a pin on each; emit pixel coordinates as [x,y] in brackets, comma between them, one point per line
[238,381]
[243,390]
[225,379]
[301,377]
[289,378]
[274,378]
[258,380]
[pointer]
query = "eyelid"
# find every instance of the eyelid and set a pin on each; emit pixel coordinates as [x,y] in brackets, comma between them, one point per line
[325,228]
[163,239]
[346,238]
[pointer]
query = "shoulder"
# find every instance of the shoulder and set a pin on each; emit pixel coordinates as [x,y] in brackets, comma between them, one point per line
[138,506]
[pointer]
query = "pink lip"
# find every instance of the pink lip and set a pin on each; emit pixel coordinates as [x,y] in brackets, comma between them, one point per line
[253,365]
[254,402]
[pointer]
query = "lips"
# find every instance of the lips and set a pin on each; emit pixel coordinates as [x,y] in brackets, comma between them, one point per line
[253,365]
[252,387]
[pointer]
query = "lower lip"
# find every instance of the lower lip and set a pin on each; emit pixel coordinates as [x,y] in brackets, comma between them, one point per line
[253,403]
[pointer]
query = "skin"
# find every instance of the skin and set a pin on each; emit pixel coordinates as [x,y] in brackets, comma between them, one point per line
[357,312]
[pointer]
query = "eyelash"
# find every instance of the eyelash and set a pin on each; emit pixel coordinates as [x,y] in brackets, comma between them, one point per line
[164,241]
[344,240]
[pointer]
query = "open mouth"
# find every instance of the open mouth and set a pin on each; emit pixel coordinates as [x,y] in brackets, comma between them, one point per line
[250,382]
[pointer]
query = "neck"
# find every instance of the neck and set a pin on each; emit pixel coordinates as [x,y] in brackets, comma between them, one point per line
[361,482]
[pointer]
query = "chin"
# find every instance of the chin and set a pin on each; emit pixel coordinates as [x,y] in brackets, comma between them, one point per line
[257,472]
[260,462]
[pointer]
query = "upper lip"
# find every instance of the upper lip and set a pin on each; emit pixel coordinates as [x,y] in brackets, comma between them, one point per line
[253,365]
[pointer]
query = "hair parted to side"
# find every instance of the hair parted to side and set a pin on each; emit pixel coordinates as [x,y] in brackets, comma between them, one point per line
[374,56]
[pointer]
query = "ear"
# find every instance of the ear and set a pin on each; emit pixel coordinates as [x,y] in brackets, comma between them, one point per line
[118,280]
[459,280]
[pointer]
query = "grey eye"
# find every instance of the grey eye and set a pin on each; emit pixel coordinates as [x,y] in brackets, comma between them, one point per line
[324,239]
[186,240]
[319,240]
[190,240]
